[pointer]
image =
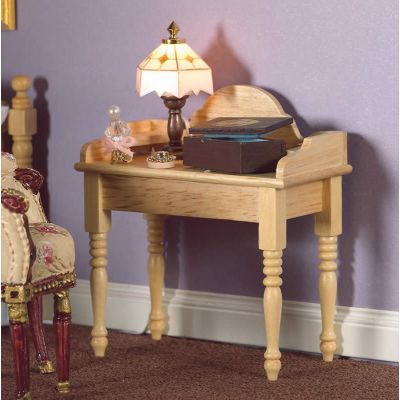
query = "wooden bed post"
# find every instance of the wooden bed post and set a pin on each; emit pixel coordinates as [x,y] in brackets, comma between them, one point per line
[22,121]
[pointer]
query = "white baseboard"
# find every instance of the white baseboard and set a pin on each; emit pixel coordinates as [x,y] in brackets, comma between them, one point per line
[364,333]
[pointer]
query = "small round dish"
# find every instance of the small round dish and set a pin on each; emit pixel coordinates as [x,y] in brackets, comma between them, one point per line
[161,159]
[152,164]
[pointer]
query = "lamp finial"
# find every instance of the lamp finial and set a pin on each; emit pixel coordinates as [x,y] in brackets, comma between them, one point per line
[173,30]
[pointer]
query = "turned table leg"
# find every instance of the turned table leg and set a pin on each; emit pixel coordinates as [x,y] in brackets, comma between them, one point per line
[328,225]
[272,241]
[155,236]
[98,288]
[327,291]
[272,311]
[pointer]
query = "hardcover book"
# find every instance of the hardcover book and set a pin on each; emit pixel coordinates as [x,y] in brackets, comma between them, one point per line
[233,126]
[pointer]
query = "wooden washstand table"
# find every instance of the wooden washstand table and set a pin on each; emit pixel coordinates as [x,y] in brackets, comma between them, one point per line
[308,181]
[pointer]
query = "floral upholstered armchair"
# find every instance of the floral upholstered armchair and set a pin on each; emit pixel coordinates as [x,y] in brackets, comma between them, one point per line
[37,258]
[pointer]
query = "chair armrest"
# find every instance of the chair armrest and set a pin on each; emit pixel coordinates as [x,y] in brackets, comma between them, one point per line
[18,251]
[26,180]
[30,179]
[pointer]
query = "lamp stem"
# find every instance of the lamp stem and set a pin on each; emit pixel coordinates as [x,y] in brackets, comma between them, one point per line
[175,124]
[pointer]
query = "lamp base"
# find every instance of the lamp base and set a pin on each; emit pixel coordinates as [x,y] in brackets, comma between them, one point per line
[177,151]
[176,125]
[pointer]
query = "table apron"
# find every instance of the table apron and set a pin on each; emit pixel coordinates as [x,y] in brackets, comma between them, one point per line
[183,198]
[202,199]
[304,199]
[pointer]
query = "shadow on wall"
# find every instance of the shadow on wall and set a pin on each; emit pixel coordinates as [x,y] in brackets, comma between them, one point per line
[218,256]
[222,256]
[6,95]
[289,108]
[174,244]
[357,212]
[201,240]
[40,140]
[227,68]
[363,205]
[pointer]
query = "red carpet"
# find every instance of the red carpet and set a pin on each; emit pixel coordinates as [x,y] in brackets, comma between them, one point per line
[138,368]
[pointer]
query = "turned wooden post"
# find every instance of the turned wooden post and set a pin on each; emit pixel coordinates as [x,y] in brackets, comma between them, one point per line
[97,223]
[272,310]
[272,240]
[22,122]
[327,290]
[156,268]
[328,225]
[98,288]
[175,125]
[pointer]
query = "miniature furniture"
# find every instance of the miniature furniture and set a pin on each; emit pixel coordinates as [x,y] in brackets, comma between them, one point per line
[37,258]
[308,181]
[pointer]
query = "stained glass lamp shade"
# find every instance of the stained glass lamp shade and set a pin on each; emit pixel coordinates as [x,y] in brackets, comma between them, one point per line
[174,71]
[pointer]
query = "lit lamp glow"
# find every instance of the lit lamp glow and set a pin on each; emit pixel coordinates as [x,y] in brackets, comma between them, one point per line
[174,71]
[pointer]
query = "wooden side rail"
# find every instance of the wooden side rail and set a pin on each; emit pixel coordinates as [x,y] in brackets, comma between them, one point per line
[247,101]
[22,123]
[147,133]
[321,155]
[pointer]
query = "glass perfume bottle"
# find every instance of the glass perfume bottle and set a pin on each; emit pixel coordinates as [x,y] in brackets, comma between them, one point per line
[118,139]
[117,129]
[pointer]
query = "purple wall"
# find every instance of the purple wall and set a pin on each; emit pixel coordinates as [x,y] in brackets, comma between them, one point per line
[332,64]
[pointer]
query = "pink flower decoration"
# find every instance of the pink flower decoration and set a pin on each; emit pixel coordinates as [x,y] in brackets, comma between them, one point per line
[123,145]
[46,229]
[47,254]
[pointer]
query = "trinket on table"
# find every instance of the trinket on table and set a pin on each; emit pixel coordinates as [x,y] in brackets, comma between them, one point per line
[118,140]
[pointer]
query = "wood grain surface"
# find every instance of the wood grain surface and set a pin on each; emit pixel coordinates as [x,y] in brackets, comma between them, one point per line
[307,181]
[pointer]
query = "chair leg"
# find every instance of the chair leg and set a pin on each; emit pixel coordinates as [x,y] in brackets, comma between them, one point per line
[36,323]
[18,318]
[62,324]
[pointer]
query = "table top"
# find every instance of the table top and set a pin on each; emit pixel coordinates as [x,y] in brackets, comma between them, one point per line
[300,166]
[138,168]
[319,156]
